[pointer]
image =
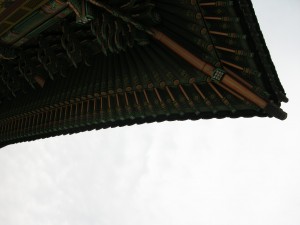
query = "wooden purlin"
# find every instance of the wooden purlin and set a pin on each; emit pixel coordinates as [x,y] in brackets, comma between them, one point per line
[237,37]
[226,79]
[19,5]
[208,69]
[172,78]
[35,23]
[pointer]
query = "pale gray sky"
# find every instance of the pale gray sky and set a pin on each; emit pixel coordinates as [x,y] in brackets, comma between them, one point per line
[210,172]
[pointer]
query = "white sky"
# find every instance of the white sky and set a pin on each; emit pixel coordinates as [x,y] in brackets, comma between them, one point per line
[212,172]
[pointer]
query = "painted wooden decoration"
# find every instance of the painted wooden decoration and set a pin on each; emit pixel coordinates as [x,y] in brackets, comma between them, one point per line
[77,65]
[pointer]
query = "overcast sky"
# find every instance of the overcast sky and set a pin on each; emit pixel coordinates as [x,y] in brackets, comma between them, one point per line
[210,172]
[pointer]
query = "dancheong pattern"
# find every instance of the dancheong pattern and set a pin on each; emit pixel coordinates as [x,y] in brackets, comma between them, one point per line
[76,65]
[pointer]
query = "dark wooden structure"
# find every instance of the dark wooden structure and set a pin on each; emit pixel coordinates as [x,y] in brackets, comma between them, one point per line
[77,65]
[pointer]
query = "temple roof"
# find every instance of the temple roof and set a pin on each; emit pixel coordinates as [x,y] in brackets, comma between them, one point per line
[71,66]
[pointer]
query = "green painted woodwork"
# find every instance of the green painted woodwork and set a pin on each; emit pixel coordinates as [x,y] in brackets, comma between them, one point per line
[102,68]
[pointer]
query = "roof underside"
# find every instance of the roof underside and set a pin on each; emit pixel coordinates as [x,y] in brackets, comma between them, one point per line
[71,67]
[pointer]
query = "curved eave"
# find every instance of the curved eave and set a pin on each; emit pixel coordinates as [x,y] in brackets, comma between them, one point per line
[247,12]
